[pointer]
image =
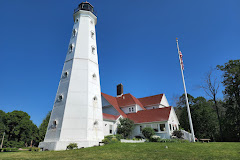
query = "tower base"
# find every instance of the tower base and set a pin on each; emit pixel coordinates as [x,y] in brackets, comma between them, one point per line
[62,145]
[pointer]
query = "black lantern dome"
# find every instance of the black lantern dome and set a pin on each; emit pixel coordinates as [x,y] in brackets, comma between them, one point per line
[85,6]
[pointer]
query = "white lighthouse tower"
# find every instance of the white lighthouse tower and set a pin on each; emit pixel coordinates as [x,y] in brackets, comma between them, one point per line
[77,112]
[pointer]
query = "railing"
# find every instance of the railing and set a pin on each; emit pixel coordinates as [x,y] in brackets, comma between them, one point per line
[86,9]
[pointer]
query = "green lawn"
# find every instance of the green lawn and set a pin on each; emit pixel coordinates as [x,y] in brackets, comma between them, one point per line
[146,151]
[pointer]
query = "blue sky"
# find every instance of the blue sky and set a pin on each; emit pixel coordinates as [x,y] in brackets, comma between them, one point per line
[136,47]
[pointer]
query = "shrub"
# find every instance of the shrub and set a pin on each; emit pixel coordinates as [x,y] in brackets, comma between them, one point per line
[34,149]
[155,139]
[111,139]
[125,127]
[72,146]
[119,136]
[148,132]
[178,134]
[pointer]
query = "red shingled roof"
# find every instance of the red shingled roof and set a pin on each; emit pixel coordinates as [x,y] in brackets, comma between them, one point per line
[112,100]
[152,115]
[156,99]
[128,99]
[110,117]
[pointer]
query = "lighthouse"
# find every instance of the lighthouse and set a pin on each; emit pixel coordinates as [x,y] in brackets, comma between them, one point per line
[77,111]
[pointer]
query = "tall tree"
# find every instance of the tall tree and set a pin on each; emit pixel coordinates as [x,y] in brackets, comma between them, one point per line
[231,81]
[204,121]
[211,86]
[19,127]
[43,127]
[2,127]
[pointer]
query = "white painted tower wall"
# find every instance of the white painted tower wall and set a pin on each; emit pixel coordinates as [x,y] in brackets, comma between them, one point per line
[77,118]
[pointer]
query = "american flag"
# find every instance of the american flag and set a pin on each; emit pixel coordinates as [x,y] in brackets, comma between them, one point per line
[181,60]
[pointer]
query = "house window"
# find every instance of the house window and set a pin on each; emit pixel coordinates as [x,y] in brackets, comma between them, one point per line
[140,129]
[110,129]
[93,50]
[173,128]
[92,34]
[153,107]
[129,109]
[170,127]
[132,109]
[155,127]
[162,127]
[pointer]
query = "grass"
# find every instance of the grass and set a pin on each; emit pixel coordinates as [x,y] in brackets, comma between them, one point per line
[145,151]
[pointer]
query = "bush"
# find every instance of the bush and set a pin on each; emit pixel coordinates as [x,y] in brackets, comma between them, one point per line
[178,134]
[34,149]
[111,139]
[72,146]
[148,132]
[14,144]
[119,136]
[155,139]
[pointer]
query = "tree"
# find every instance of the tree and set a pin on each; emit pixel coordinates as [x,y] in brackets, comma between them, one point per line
[148,132]
[125,127]
[204,121]
[43,127]
[2,127]
[211,86]
[231,81]
[19,128]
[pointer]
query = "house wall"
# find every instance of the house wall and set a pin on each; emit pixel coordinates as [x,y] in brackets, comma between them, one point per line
[110,110]
[173,121]
[164,102]
[163,134]
[106,126]
[138,108]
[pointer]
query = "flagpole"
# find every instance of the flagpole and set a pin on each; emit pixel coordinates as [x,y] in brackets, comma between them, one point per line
[188,109]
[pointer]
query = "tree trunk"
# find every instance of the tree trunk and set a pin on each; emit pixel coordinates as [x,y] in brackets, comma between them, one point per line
[219,120]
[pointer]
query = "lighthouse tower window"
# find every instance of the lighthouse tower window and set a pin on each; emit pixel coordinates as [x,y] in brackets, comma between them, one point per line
[74,33]
[60,98]
[71,48]
[92,34]
[76,20]
[93,50]
[94,76]
[65,74]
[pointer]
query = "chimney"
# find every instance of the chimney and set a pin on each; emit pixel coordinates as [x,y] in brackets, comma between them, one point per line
[119,90]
